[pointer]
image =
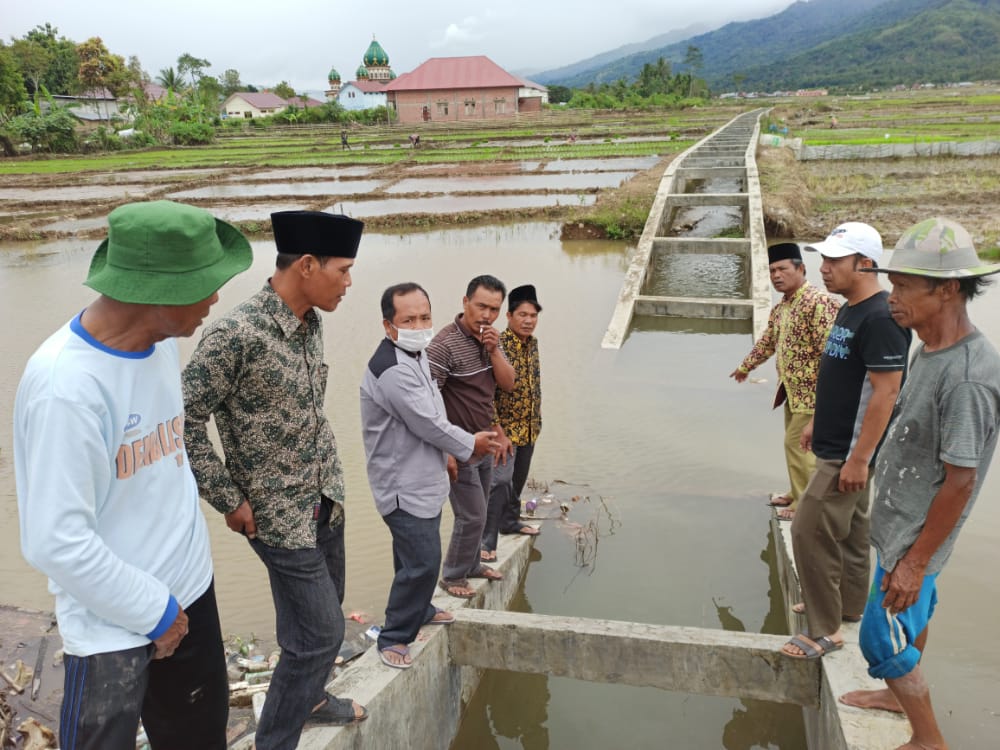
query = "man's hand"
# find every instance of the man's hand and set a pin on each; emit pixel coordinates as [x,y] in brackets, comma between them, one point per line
[902,586]
[242,521]
[490,338]
[452,469]
[485,443]
[504,448]
[853,475]
[167,643]
[738,376]
[806,438]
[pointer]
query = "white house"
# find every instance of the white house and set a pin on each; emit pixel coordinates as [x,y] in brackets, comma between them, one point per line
[248,105]
[357,95]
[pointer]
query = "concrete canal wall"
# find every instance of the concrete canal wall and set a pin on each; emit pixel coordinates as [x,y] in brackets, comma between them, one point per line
[422,707]
[728,154]
[832,725]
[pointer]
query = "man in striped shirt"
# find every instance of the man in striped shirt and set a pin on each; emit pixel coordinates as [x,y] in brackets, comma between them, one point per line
[468,365]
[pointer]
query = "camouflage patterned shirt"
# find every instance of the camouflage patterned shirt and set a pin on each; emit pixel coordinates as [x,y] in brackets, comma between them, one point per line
[260,372]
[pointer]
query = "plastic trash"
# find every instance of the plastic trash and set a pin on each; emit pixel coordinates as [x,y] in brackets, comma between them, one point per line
[373,632]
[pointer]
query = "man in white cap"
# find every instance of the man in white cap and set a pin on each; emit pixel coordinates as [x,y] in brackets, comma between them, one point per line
[933,462]
[859,376]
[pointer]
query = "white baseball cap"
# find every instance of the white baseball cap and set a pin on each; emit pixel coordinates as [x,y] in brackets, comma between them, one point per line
[850,238]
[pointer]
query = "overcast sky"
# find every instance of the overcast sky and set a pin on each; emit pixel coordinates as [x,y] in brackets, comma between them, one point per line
[299,40]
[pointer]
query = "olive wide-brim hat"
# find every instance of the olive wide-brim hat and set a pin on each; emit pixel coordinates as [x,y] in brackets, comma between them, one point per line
[166,253]
[939,249]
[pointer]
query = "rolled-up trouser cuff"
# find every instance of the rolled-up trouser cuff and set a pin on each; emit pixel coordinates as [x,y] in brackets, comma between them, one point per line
[887,639]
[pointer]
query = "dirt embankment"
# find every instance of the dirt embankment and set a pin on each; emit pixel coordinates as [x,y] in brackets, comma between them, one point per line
[805,200]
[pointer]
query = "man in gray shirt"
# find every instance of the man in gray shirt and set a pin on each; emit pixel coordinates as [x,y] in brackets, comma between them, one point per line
[932,464]
[407,438]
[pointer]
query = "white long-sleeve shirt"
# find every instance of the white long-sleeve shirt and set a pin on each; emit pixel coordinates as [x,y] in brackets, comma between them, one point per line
[107,502]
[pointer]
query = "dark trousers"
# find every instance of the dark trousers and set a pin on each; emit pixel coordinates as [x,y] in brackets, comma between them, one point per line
[503,511]
[468,503]
[183,700]
[310,629]
[416,557]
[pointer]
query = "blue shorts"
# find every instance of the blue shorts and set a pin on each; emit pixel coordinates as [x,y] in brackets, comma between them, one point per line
[887,639]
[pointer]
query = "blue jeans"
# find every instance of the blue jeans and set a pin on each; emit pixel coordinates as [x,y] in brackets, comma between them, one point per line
[183,700]
[468,503]
[416,557]
[310,629]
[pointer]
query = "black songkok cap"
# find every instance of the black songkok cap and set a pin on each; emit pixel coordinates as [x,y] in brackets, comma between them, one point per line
[783,251]
[521,294]
[316,233]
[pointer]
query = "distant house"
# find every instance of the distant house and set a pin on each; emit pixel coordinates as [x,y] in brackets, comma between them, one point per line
[462,88]
[154,91]
[362,94]
[248,105]
[307,103]
[92,107]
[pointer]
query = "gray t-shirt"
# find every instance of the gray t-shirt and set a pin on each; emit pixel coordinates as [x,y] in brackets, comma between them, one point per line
[948,411]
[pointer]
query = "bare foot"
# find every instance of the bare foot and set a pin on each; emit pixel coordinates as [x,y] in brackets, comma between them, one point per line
[799,608]
[882,699]
[785,514]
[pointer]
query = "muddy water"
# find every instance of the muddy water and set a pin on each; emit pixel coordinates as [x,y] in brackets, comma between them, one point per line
[671,459]
[559,181]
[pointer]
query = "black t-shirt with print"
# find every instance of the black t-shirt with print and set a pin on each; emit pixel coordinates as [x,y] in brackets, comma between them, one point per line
[864,338]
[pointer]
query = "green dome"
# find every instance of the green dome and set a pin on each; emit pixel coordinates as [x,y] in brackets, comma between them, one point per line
[392,75]
[375,56]
[334,75]
[361,73]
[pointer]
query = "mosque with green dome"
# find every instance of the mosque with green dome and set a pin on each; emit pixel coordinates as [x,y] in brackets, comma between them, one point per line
[366,91]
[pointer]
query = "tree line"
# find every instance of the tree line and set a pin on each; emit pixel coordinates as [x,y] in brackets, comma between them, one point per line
[42,65]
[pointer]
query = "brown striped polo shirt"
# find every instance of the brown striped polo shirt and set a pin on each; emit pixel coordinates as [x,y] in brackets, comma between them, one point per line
[461,366]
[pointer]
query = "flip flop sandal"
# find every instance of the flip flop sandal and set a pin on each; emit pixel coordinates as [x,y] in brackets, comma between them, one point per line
[527,530]
[813,648]
[450,586]
[488,555]
[773,502]
[488,573]
[439,619]
[400,650]
[337,711]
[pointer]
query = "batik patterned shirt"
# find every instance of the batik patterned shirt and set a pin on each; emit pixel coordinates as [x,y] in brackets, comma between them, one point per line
[797,330]
[260,372]
[519,412]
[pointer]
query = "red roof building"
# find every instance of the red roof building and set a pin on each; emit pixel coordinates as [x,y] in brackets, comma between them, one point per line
[461,88]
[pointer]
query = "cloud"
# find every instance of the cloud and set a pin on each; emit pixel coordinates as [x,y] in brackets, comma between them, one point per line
[469,30]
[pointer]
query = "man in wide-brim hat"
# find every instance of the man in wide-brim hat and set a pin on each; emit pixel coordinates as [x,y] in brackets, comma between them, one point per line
[108,505]
[933,462]
[259,372]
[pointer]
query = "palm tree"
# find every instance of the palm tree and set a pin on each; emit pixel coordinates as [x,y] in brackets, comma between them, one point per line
[170,79]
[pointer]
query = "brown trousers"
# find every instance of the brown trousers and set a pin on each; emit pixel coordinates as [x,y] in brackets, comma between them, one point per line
[830,543]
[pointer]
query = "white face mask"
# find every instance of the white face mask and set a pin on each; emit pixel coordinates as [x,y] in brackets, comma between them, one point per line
[412,340]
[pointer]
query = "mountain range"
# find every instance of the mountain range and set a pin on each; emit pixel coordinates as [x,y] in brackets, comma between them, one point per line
[821,43]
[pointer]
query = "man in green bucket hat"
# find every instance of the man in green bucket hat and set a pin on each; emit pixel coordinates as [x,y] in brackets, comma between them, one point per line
[932,464]
[107,501]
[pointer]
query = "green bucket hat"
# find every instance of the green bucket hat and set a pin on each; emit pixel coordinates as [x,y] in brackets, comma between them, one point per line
[938,248]
[166,253]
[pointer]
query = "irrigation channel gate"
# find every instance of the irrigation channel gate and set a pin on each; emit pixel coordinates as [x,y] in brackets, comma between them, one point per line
[422,706]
